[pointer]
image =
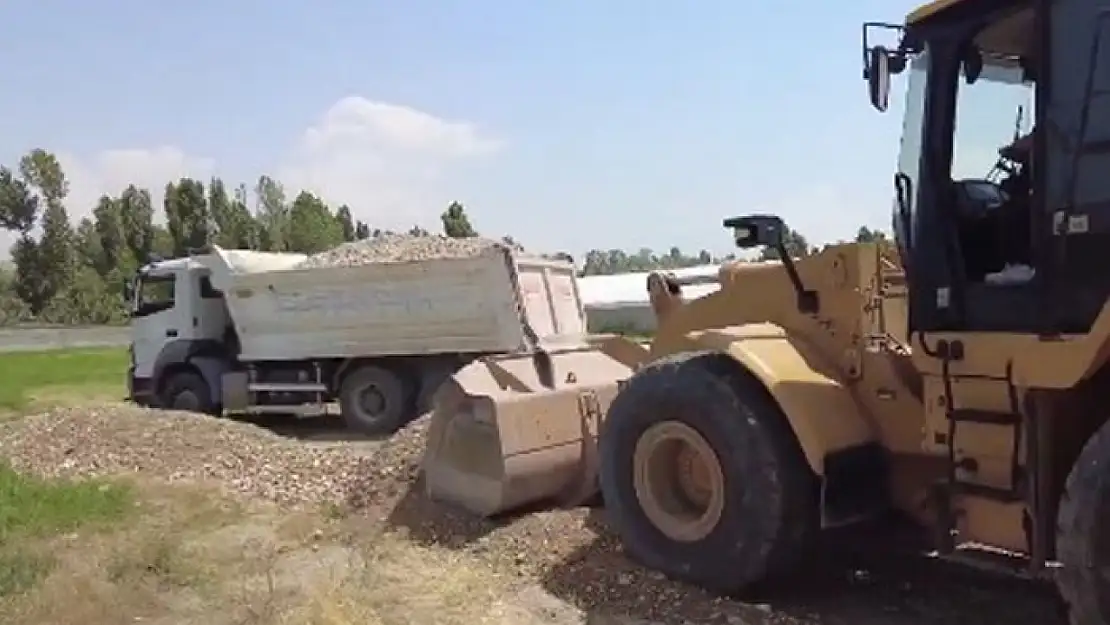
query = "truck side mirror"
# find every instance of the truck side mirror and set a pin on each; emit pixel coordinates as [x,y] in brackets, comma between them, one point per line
[756,230]
[128,290]
[878,77]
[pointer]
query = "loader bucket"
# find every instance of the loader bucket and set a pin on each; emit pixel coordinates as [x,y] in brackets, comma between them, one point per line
[508,431]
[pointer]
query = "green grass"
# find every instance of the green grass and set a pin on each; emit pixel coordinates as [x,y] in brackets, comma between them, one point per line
[32,508]
[89,372]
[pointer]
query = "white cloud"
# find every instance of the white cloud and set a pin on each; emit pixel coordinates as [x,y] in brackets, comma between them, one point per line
[387,161]
[110,171]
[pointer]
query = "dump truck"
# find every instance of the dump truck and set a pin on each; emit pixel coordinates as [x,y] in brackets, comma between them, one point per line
[238,331]
[957,375]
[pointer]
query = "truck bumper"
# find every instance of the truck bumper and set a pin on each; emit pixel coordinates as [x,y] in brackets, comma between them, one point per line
[139,390]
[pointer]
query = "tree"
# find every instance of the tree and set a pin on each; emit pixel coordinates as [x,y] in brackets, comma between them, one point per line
[231,218]
[55,254]
[272,215]
[346,224]
[19,208]
[796,245]
[455,222]
[867,235]
[110,236]
[249,232]
[137,219]
[90,253]
[187,215]
[312,227]
[25,255]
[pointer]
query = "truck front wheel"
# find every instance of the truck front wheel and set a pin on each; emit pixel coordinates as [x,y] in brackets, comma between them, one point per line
[188,392]
[702,476]
[374,401]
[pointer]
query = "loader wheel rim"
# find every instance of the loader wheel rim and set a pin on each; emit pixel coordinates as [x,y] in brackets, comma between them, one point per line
[678,481]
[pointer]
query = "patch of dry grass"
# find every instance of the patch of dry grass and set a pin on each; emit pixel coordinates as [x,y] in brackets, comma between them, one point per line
[192,556]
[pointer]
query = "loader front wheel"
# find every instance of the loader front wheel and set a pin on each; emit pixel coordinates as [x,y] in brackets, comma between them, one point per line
[1083,536]
[702,477]
[373,401]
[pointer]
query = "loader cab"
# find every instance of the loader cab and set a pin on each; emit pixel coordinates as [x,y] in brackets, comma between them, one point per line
[989,238]
[173,303]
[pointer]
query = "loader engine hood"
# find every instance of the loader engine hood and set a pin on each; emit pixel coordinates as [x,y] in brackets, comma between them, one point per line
[739,270]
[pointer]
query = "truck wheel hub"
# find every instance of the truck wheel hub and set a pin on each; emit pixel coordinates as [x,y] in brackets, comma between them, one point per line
[371,400]
[187,401]
[678,481]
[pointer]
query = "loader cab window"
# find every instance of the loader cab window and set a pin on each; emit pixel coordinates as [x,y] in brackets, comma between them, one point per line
[991,168]
[908,176]
[153,294]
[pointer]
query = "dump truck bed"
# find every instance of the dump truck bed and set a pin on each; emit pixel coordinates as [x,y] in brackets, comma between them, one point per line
[495,303]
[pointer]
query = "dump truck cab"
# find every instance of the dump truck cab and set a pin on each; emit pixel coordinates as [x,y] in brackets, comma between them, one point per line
[174,307]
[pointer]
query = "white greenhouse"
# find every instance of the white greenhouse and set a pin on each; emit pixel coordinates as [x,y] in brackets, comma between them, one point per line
[620,302]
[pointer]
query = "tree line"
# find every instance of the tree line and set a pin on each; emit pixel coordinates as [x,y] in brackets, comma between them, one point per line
[61,272]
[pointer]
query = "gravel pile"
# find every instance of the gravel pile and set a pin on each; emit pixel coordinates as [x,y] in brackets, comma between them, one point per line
[571,554]
[111,439]
[400,248]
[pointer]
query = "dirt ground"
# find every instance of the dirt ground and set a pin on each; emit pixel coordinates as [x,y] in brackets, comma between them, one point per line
[209,547]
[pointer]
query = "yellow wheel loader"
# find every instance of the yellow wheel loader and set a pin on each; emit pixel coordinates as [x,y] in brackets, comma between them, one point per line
[958,375]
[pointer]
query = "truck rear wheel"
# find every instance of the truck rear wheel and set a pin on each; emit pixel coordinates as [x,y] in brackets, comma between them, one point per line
[1083,536]
[374,401]
[702,476]
[187,391]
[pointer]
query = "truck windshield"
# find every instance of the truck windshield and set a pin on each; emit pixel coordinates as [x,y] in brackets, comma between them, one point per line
[153,294]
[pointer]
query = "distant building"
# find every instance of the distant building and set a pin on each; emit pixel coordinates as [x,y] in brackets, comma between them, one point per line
[620,302]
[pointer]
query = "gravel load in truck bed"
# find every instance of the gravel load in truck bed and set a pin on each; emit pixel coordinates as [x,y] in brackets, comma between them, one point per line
[400,248]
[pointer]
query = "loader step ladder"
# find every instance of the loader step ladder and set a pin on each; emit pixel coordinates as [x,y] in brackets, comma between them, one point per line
[945,492]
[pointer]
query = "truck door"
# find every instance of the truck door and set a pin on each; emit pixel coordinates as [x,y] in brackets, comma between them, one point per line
[155,319]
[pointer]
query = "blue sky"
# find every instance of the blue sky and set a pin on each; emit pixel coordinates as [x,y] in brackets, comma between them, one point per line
[569,125]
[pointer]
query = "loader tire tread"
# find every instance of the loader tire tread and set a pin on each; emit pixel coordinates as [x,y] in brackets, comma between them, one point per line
[1082,535]
[770,511]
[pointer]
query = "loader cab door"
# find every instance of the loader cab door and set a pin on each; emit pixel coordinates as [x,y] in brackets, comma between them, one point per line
[1076,150]
[966,229]
[993,253]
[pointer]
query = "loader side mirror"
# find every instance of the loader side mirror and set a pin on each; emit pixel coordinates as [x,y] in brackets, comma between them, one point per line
[756,230]
[759,230]
[878,77]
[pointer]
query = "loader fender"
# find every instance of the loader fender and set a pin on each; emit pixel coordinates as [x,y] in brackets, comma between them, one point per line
[823,414]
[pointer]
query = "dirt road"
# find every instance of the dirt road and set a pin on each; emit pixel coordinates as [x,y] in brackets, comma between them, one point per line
[61,337]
